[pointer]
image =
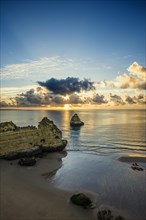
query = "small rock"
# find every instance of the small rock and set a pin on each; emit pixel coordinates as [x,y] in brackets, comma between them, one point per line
[135,166]
[27,162]
[82,200]
[75,121]
[107,215]
[104,215]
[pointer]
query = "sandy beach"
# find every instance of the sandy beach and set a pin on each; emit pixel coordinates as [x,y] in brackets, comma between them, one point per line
[44,190]
[27,194]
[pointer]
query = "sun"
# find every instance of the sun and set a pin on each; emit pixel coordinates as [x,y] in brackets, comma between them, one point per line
[67,106]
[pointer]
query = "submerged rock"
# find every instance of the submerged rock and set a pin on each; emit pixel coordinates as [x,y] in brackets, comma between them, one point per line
[135,166]
[18,142]
[27,162]
[82,200]
[75,121]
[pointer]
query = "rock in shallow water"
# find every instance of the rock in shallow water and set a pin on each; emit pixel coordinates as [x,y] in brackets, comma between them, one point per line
[75,121]
[135,166]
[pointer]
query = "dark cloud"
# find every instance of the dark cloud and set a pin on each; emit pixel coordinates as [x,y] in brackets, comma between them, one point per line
[33,97]
[58,99]
[75,99]
[67,86]
[139,99]
[117,99]
[99,99]
[130,100]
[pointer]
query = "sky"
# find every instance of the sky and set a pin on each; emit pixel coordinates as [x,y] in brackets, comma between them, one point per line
[73,53]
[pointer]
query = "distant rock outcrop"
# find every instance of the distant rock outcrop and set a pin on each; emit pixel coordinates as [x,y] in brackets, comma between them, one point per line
[75,121]
[19,142]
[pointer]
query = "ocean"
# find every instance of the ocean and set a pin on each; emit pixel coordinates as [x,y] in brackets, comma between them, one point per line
[104,132]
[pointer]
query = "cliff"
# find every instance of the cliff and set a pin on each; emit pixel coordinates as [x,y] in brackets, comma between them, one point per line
[30,139]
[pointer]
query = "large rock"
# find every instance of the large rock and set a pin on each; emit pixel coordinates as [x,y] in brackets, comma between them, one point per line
[75,121]
[17,142]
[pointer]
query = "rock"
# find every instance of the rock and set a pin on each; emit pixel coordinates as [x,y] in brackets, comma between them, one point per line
[54,148]
[75,121]
[34,151]
[7,126]
[104,215]
[107,215]
[18,142]
[27,162]
[81,200]
[135,166]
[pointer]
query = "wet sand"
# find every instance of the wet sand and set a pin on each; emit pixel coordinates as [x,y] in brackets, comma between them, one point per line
[26,193]
[132,159]
[43,192]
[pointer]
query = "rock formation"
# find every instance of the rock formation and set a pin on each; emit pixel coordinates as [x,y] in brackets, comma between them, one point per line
[75,121]
[18,142]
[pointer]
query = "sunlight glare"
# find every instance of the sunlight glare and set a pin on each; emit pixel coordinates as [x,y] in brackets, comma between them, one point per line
[67,107]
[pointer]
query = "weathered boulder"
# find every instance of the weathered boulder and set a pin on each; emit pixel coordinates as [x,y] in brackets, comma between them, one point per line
[27,162]
[81,200]
[75,121]
[18,142]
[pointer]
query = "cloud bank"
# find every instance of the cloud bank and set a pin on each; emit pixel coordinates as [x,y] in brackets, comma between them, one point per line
[73,91]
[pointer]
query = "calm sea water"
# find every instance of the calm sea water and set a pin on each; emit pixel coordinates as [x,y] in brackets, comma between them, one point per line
[105,131]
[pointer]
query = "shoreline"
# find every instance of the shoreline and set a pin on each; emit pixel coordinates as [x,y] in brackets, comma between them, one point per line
[30,193]
[26,192]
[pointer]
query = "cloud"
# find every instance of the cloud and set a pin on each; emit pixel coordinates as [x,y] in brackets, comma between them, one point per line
[72,90]
[139,99]
[136,79]
[116,99]
[75,99]
[67,86]
[130,100]
[4,104]
[33,97]
[29,68]
[58,99]
[99,99]
[137,70]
